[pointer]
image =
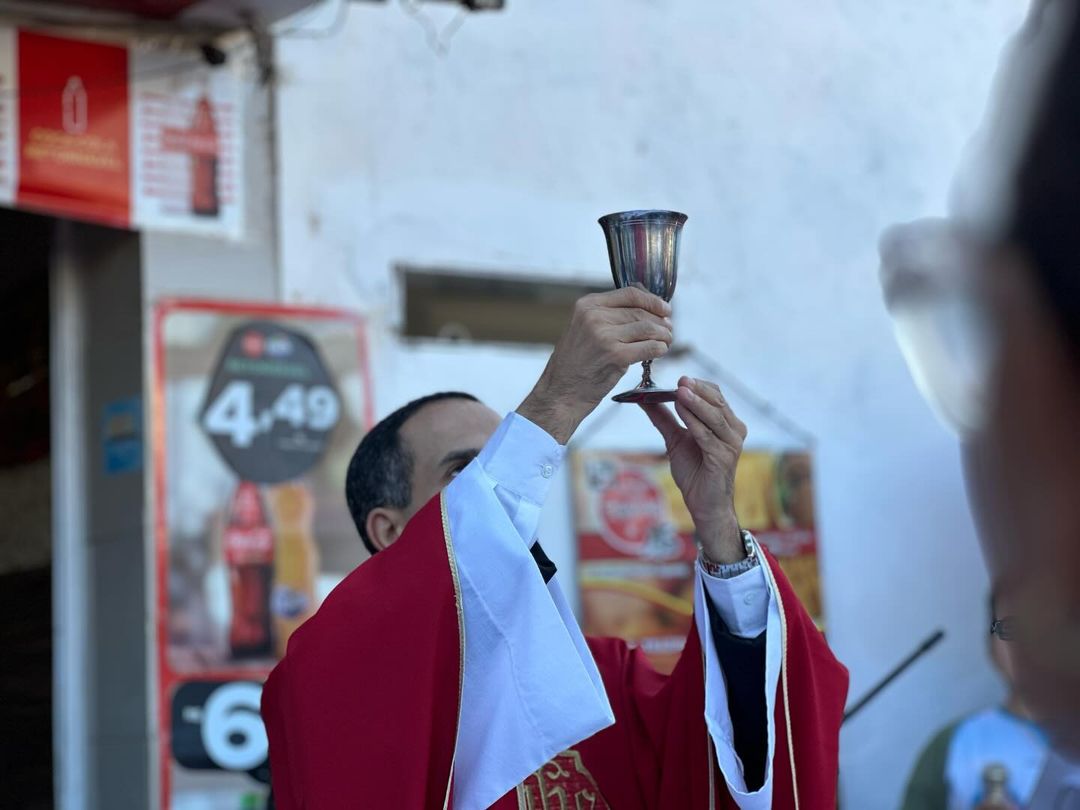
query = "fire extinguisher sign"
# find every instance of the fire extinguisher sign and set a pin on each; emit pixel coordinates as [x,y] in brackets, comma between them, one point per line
[256,412]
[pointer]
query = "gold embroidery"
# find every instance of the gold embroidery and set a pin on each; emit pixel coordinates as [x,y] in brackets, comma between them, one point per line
[709,751]
[556,771]
[562,784]
[712,769]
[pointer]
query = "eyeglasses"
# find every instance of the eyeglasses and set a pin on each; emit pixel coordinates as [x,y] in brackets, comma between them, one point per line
[1004,629]
[937,293]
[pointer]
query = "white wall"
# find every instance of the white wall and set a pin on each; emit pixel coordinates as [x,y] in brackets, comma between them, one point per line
[178,265]
[791,137]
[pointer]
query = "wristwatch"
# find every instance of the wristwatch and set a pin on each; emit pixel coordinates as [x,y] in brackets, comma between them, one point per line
[729,570]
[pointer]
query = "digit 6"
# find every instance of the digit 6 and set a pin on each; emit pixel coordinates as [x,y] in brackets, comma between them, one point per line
[232,730]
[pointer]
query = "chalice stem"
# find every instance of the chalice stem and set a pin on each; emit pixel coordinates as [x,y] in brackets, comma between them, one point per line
[646,375]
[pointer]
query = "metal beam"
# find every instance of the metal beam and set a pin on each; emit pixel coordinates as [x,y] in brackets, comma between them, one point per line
[69,568]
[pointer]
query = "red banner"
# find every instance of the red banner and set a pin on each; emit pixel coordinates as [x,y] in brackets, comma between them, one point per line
[74,151]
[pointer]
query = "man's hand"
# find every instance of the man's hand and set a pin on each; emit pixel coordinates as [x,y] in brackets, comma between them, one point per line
[703,456]
[607,334]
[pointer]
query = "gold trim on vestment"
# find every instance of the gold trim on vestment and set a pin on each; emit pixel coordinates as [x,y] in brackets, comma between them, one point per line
[783,673]
[452,558]
[713,765]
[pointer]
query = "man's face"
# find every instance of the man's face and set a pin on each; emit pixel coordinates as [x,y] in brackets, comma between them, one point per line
[442,438]
[1023,473]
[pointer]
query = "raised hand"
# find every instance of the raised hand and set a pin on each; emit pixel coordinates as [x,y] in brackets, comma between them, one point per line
[703,452]
[608,333]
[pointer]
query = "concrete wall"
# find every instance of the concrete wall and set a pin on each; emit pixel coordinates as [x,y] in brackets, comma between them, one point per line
[791,137]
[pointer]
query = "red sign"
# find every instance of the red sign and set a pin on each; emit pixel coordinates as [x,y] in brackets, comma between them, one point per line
[129,138]
[631,508]
[252,344]
[74,128]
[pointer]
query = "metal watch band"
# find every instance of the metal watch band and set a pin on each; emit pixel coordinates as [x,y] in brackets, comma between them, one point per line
[730,570]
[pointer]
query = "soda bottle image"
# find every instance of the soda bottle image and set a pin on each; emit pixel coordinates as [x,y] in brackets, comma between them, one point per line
[205,200]
[74,104]
[248,549]
[296,560]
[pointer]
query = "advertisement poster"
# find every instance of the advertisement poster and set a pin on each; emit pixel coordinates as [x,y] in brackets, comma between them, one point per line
[636,552]
[636,548]
[774,498]
[256,413]
[187,146]
[100,132]
[73,130]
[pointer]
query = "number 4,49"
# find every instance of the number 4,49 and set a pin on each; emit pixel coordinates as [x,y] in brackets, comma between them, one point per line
[232,413]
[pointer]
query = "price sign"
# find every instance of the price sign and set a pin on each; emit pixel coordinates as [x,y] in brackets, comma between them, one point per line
[282,395]
[272,403]
[217,726]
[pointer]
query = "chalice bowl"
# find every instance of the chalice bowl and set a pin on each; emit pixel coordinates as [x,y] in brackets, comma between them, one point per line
[643,247]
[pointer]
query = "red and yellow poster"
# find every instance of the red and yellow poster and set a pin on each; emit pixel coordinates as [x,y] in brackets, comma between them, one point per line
[636,541]
[256,413]
[774,498]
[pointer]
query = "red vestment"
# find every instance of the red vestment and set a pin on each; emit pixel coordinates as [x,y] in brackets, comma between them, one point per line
[362,712]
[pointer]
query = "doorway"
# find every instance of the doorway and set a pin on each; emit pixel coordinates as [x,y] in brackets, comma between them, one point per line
[26,767]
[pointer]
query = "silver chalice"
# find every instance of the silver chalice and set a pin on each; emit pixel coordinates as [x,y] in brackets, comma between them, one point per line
[643,247]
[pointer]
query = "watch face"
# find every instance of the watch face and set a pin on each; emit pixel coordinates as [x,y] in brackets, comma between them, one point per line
[748,544]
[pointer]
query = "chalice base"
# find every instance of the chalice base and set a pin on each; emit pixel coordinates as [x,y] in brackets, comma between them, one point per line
[646,395]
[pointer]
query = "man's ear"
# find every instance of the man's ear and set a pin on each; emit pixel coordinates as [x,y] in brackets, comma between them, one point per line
[384,525]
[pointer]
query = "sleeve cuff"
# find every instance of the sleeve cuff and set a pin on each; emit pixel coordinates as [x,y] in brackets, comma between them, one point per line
[522,458]
[741,601]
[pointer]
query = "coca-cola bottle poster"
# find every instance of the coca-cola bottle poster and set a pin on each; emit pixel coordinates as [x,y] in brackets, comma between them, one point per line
[187,169]
[257,410]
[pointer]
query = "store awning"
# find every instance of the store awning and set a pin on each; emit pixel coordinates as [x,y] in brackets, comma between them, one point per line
[218,12]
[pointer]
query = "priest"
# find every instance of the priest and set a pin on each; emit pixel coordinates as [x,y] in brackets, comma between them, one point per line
[448,671]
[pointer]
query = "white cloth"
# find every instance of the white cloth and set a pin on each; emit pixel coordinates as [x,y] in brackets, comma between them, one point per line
[747,606]
[988,737]
[531,688]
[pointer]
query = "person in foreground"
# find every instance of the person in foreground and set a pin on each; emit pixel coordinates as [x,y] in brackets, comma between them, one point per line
[987,309]
[951,771]
[448,670]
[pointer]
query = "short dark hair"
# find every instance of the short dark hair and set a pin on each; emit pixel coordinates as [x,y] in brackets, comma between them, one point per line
[1047,199]
[380,472]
